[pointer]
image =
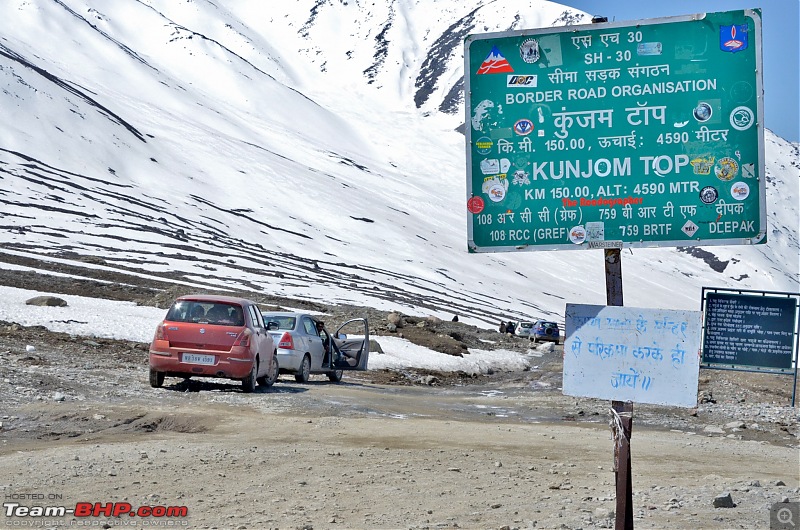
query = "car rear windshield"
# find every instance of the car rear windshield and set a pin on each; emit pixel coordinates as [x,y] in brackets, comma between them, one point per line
[284,322]
[526,325]
[215,313]
[548,324]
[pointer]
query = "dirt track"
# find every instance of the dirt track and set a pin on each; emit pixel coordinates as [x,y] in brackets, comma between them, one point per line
[384,449]
[507,450]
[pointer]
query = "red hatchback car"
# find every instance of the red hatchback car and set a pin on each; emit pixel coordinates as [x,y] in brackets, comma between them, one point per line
[214,336]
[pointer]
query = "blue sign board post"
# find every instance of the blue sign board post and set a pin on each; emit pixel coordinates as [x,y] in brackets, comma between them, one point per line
[753,331]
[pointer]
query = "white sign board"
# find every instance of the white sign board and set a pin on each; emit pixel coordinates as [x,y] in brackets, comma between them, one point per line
[632,354]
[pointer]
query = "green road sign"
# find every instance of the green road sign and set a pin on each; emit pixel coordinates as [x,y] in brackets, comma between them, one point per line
[640,134]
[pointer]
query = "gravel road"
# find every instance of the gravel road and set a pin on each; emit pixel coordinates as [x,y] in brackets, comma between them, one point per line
[381,450]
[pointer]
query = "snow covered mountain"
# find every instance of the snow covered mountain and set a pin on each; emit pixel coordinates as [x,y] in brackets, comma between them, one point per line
[309,149]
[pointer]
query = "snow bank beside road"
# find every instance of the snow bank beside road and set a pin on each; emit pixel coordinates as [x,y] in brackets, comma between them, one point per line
[126,321]
[400,353]
[95,317]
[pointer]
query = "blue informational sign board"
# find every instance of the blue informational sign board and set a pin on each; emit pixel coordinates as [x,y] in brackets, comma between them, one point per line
[750,331]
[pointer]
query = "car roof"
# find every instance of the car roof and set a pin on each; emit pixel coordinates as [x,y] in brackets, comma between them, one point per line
[288,314]
[214,298]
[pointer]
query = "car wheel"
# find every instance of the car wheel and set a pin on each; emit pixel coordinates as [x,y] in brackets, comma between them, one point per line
[249,382]
[336,375]
[558,342]
[272,377]
[156,378]
[305,369]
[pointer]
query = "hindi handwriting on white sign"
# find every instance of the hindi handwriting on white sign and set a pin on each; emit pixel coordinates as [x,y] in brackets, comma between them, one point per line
[632,354]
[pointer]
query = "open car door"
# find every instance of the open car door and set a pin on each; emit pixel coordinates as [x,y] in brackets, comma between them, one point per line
[351,345]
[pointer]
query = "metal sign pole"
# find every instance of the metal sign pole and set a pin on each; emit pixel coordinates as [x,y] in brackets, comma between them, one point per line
[622,410]
[613,259]
[796,357]
[622,465]
[796,348]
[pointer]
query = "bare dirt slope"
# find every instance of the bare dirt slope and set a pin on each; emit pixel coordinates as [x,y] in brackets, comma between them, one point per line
[398,449]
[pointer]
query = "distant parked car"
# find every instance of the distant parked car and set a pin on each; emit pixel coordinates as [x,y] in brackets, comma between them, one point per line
[545,330]
[524,329]
[214,336]
[306,347]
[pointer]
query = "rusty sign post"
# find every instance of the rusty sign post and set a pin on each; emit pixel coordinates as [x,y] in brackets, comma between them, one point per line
[622,463]
[621,410]
[622,421]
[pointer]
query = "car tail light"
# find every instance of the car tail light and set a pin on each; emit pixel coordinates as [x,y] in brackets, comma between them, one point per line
[243,339]
[161,332]
[286,342]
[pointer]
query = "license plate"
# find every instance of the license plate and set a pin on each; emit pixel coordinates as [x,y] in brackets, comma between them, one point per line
[196,358]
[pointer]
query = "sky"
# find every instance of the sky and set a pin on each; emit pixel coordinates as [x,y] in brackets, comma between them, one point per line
[95,317]
[780,46]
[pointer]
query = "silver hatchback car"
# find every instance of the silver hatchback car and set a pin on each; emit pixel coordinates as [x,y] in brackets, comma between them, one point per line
[524,329]
[306,347]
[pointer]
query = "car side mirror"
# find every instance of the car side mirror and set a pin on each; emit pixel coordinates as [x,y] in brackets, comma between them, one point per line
[341,336]
[272,325]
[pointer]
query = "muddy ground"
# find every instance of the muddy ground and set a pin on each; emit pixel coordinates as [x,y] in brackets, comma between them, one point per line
[382,449]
